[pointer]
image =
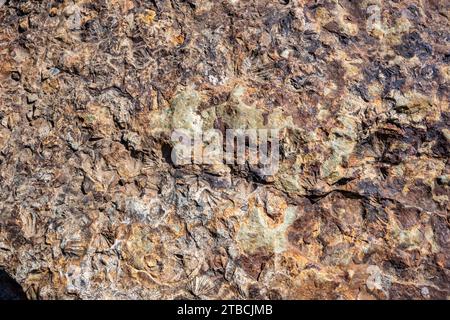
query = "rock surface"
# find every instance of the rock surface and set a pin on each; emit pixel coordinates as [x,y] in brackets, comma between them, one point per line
[92,207]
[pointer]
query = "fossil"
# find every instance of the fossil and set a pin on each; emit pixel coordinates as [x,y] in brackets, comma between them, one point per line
[93,205]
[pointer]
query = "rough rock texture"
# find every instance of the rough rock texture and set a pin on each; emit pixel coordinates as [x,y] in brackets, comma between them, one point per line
[92,207]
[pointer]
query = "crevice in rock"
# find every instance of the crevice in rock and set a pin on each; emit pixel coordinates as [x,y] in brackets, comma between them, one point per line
[9,288]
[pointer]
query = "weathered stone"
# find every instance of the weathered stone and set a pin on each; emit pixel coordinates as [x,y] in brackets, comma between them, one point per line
[92,205]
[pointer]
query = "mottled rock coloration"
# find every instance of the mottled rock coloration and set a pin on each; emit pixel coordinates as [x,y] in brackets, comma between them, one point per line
[92,205]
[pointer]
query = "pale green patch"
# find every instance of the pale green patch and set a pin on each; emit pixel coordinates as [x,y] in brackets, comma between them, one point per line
[239,115]
[342,143]
[257,233]
[185,115]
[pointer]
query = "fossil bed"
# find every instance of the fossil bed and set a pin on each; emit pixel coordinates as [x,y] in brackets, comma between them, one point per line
[92,207]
